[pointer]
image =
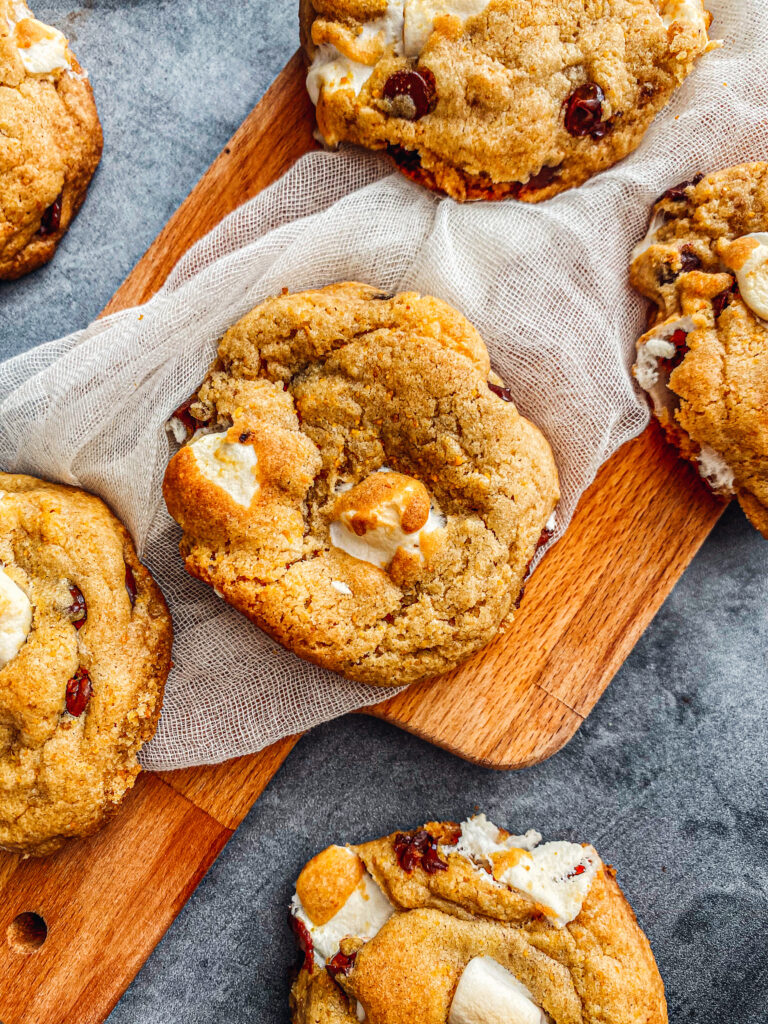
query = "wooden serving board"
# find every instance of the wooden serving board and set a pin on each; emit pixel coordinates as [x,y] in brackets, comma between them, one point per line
[107,901]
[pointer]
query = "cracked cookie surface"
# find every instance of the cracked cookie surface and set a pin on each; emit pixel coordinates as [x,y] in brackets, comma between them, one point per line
[355,486]
[50,142]
[466,924]
[704,362]
[483,99]
[85,646]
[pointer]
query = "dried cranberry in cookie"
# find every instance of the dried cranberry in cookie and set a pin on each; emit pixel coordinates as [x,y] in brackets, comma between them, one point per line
[704,364]
[509,929]
[94,656]
[47,109]
[356,487]
[488,99]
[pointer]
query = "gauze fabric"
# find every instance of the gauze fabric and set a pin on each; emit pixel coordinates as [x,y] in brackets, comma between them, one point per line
[545,285]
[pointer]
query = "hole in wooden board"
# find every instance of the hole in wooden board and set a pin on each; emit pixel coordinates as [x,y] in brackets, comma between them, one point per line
[26,933]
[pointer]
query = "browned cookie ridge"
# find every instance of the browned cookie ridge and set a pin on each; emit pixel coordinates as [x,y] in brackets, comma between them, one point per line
[85,647]
[483,99]
[358,483]
[466,924]
[704,362]
[50,142]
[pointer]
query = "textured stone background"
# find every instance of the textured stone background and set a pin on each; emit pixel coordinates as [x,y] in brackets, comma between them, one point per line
[668,776]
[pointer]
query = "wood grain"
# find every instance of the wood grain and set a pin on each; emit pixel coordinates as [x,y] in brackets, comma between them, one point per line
[108,901]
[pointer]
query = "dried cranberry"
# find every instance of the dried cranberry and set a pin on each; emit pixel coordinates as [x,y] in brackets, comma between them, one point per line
[303,941]
[416,85]
[130,584]
[414,848]
[51,219]
[679,339]
[185,417]
[584,111]
[340,964]
[578,870]
[677,193]
[504,393]
[545,538]
[723,300]
[77,611]
[79,692]
[689,260]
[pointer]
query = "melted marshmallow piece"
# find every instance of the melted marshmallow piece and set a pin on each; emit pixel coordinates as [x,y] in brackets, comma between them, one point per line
[748,258]
[556,875]
[657,222]
[386,513]
[655,346]
[227,464]
[42,48]
[332,69]
[15,618]
[687,12]
[715,470]
[488,993]
[336,898]
[420,15]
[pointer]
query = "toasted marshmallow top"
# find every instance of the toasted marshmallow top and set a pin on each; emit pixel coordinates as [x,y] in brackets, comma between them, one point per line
[385,513]
[748,258]
[336,898]
[228,464]
[42,48]
[689,12]
[15,618]
[556,875]
[488,993]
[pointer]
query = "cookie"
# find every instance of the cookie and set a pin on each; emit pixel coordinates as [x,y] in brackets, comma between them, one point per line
[85,647]
[704,362]
[467,924]
[484,99]
[359,483]
[50,143]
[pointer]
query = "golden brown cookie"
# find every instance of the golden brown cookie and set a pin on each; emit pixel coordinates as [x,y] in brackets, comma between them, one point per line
[50,139]
[359,484]
[704,362]
[484,99]
[467,924]
[85,648]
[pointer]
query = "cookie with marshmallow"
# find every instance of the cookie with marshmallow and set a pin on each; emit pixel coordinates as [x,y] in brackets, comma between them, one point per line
[704,362]
[486,99]
[469,924]
[53,135]
[85,648]
[355,480]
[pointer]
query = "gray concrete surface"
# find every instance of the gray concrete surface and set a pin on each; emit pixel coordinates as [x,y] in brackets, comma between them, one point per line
[667,777]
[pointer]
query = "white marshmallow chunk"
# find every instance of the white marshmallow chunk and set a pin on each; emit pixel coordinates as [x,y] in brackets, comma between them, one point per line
[689,12]
[332,70]
[48,52]
[658,346]
[753,277]
[15,618]
[488,993]
[715,470]
[227,464]
[362,916]
[556,875]
[379,546]
[420,19]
